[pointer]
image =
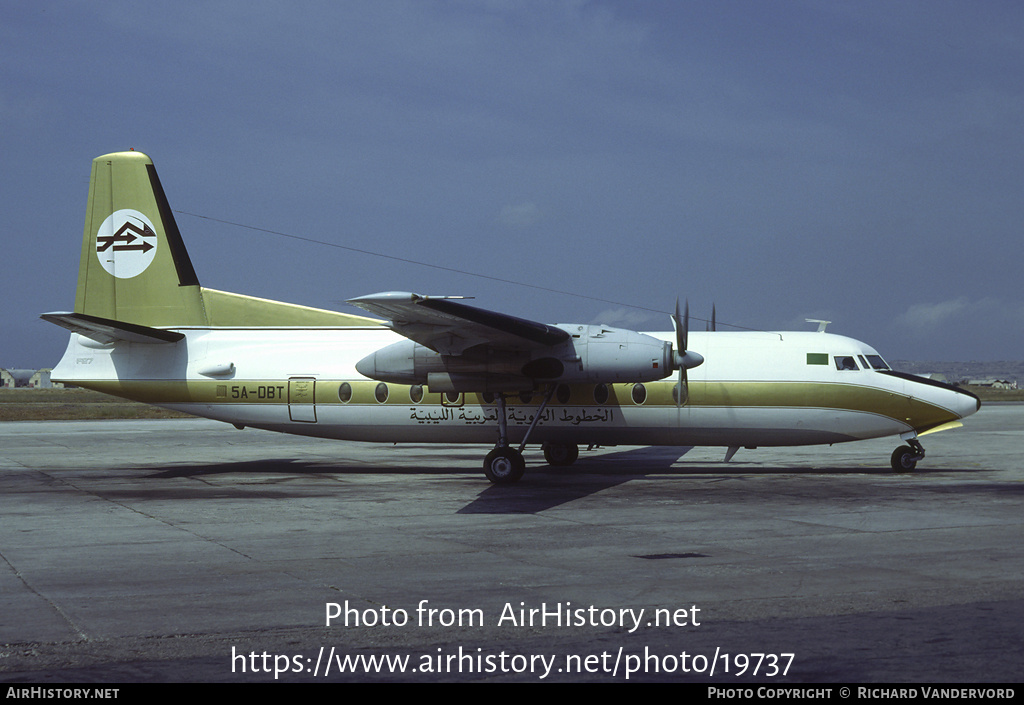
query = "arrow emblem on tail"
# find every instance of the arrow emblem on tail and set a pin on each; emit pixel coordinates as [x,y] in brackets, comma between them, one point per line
[126,243]
[126,234]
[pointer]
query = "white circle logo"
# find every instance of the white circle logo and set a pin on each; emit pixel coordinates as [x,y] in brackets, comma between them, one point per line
[126,243]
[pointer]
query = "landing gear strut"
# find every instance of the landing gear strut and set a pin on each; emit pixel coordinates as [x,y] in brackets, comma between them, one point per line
[505,465]
[904,458]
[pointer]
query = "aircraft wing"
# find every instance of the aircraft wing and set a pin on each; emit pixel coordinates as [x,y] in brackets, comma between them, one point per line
[449,327]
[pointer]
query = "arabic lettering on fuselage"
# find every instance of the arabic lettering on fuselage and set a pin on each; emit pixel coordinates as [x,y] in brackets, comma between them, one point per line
[488,415]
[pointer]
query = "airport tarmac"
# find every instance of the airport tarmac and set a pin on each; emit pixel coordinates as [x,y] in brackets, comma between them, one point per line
[186,550]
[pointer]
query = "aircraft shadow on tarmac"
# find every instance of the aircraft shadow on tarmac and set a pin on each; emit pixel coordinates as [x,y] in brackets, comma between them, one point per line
[546,487]
[543,487]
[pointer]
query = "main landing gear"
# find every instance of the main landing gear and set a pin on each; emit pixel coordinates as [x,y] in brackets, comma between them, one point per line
[560,454]
[904,458]
[505,465]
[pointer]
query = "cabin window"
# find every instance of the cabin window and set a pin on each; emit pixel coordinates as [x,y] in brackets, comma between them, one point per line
[562,393]
[381,393]
[345,392]
[601,393]
[639,393]
[846,362]
[675,394]
[454,398]
[416,393]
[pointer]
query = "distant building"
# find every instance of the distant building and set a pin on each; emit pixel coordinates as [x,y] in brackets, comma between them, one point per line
[993,383]
[31,379]
[41,379]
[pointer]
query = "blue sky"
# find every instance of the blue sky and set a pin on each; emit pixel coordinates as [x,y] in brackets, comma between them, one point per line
[861,162]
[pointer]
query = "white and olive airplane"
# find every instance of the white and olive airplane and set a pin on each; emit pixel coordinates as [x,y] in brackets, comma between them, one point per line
[440,371]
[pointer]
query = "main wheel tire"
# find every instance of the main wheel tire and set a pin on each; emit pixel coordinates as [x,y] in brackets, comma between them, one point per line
[561,454]
[904,459]
[504,466]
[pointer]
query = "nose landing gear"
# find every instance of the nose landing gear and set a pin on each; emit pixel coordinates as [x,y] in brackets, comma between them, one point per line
[904,458]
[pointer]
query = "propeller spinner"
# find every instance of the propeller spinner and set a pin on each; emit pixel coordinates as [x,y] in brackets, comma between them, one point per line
[682,358]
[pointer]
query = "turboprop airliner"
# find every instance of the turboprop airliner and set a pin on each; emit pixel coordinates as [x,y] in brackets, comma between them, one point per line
[434,369]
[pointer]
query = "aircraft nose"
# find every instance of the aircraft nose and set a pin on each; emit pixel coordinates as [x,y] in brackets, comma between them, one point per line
[967,403]
[955,400]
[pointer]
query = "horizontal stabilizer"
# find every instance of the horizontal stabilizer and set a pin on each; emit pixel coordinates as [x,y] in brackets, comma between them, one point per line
[104,330]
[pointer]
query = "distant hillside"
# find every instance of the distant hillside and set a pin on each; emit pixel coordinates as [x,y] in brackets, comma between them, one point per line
[957,371]
[73,404]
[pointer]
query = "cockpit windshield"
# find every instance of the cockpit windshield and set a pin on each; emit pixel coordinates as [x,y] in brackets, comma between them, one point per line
[867,362]
[877,362]
[845,362]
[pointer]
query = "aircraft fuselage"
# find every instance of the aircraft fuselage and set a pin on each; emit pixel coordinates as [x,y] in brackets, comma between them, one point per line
[768,389]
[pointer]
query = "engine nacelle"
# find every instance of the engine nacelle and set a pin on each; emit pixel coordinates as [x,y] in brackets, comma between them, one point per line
[592,354]
[617,355]
[408,362]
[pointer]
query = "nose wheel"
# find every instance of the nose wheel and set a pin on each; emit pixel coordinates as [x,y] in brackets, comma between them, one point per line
[904,458]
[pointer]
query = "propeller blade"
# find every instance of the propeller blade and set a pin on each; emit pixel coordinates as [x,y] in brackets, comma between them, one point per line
[677,325]
[686,327]
[681,327]
[683,359]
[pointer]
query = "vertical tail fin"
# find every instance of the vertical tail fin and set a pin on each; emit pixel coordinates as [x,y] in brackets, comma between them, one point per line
[134,266]
[135,270]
